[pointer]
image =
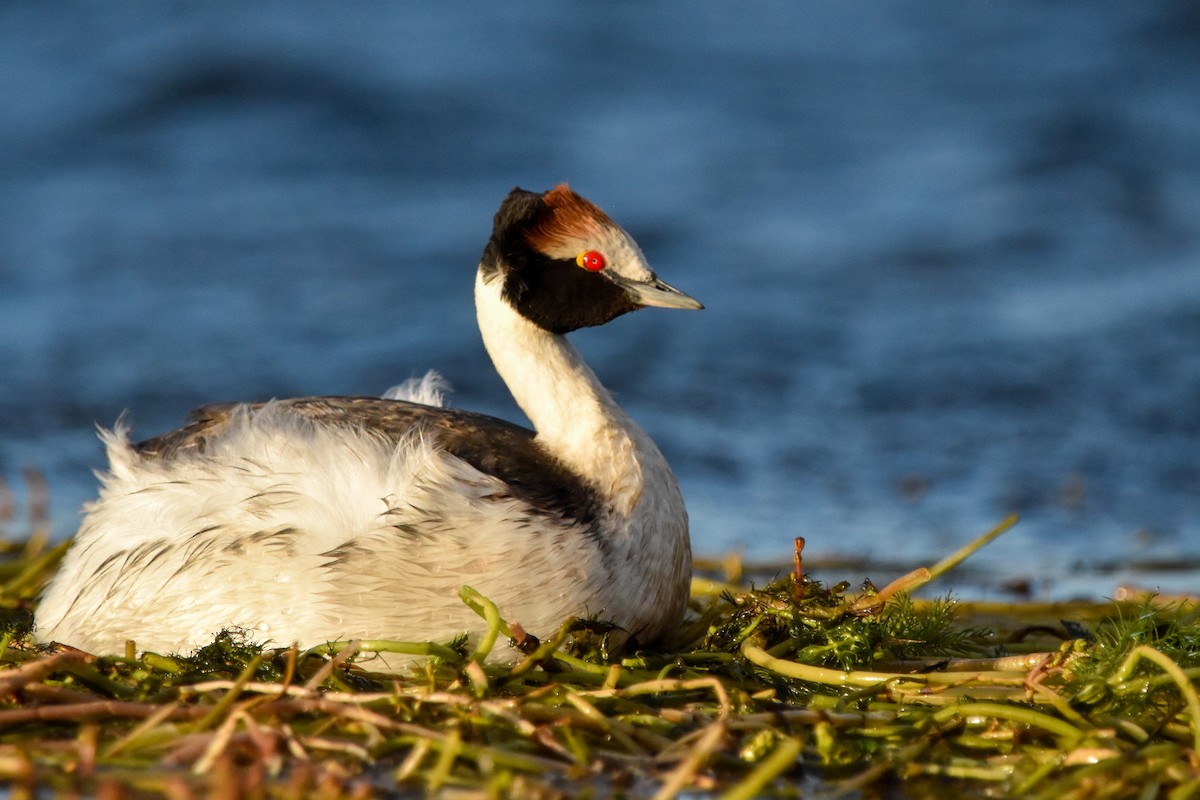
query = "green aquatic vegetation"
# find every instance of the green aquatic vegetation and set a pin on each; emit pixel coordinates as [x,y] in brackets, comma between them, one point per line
[1141,665]
[823,627]
[792,688]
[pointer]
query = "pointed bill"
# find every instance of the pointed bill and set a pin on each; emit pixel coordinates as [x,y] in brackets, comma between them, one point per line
[654,292]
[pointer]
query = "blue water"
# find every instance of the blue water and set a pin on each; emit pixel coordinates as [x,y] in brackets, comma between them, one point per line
[950,253]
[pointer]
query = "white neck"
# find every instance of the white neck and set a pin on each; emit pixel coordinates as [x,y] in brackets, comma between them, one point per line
[578,422]
[575,417]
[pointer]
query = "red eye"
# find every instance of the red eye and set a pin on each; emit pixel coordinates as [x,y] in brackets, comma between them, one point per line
[592,261]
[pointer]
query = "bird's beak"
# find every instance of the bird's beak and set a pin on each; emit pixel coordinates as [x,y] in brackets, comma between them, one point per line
[654,292]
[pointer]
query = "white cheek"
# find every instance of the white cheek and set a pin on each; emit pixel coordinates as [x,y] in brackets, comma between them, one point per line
[624,257]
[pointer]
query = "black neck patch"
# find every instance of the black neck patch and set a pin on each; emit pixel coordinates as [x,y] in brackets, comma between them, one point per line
[553,293]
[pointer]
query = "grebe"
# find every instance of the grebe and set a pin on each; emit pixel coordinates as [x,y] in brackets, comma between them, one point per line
[329,518]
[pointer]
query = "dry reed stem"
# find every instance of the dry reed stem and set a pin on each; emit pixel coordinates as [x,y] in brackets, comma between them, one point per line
[98,709]
[34,671]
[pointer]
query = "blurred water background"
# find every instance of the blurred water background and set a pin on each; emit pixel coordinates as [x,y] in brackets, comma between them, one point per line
[950,252]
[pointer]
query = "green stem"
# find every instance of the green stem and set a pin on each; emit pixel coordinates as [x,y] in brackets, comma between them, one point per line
[1012,713]
[804,672]
[781,759]
[390,646]
[225,702]
[1177,675]
[954,559]
[491,614]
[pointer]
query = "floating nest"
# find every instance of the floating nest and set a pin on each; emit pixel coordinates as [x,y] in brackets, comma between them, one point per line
[792,688]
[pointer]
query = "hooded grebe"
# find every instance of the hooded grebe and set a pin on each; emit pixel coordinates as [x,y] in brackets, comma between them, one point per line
[317,519]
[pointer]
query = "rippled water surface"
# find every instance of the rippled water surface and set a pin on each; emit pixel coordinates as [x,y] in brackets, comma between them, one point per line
[950,253]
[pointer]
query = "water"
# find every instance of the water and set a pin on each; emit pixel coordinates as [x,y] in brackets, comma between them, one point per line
[950,254]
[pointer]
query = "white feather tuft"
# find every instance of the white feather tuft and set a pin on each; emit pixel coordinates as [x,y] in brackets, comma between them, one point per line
[428,390]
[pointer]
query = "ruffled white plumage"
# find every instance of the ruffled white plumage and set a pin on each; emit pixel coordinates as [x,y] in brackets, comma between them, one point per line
[337,514]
